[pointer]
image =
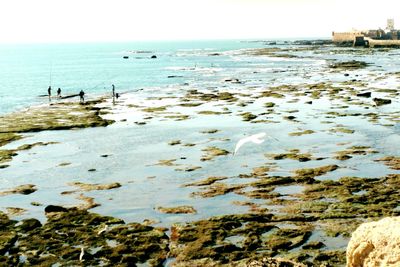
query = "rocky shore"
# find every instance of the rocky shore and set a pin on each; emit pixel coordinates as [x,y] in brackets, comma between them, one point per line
[297,204]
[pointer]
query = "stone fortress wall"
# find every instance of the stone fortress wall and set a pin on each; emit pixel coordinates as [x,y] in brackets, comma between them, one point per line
[370,38]
[345,36]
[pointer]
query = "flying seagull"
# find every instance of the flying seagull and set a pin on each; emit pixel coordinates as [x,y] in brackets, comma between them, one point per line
[256,139]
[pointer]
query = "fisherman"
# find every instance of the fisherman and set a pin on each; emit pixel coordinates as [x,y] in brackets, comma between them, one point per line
[59,92]
[49,92]
[81,95]
[113,94]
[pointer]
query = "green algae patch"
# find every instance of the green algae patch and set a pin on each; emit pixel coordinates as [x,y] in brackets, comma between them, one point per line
[91,187]
[210,131]
[309,174]
[391,161]
[177,210]
[293,154]
[155,109]
[354,150]
[230,239]
[166,162]
[189,168]
[217,189]
[269,104]
[59,116]
[248,116]
[265,261]
[381,101]
[7,155]
[73,237]
[301,133]
[207,181]
[178,117]
[271,94]
[208,97]
[192,104]
[212,152]
[211,112]
[6,138]
[25,189]
[349,65]
[341,130]
[174,142]
[15,211]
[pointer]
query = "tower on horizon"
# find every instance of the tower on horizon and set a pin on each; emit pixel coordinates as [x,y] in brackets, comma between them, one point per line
[390,25]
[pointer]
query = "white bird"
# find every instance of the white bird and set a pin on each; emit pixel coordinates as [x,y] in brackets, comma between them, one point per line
[256,139]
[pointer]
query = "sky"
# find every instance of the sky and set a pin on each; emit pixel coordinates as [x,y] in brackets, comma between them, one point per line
[43,21]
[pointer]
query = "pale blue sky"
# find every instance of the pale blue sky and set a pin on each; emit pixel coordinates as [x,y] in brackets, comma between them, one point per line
[125,20]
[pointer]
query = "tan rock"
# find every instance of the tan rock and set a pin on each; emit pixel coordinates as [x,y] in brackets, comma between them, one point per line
[375,244]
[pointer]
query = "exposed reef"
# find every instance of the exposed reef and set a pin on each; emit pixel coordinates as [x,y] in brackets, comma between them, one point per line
[77,237]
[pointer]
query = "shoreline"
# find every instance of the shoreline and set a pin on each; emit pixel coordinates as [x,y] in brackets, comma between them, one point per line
[329,167]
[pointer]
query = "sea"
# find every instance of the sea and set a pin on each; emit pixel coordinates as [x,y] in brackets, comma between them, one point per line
[27,70]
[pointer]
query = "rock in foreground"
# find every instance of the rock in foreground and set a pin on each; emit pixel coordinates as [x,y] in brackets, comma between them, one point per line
[375,244]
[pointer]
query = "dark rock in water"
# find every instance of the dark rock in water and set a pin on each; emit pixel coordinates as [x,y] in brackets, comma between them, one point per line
[354,64]
[232,80]
[25,189]
[174,76]
[29,224]
[291,117]
[366,94]
[308,102]
[91,170]
[304,159]
[381,101]
[346,74]
[126,57]
[214,54]
[153,56]
[53,208]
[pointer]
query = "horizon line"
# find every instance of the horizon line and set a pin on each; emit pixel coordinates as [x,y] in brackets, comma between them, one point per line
[261,39]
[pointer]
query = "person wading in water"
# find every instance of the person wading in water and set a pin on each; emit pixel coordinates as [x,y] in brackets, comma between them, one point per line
[49,92]
[81,95]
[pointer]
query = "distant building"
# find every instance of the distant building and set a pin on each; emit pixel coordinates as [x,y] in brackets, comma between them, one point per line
[370,38]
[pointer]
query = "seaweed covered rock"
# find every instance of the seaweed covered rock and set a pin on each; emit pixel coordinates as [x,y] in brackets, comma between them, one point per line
[354,64]
[247,240]
[375,244]
[381,101]
[73,237]
[59,116]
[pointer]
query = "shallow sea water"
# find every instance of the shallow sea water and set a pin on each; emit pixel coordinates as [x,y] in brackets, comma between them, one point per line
[133,150]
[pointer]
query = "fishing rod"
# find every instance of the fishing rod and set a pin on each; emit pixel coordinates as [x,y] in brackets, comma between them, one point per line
[51,71]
